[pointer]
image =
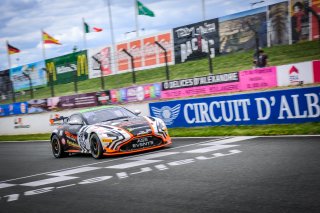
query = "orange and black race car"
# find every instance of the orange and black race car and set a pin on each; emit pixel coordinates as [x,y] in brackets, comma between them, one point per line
[107,130]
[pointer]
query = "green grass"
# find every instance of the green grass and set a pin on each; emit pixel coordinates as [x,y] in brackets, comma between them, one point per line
[278,55]
[262,130]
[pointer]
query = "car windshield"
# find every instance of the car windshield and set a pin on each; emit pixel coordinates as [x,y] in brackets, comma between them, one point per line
[107,114]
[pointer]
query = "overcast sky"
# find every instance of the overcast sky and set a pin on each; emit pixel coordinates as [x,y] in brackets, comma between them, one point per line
[22,20]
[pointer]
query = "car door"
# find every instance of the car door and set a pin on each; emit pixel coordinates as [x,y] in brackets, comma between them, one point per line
[75,123]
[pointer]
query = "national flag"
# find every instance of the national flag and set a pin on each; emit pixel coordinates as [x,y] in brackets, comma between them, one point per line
[47,39]
[89,29]
[143,10]
[12,49]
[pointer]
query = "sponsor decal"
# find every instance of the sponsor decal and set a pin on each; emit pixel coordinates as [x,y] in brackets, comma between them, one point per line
[70,136]
[106,140]
[294,75]
[166,113]
[18,124]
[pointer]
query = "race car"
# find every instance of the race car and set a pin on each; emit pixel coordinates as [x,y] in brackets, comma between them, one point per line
[107,130]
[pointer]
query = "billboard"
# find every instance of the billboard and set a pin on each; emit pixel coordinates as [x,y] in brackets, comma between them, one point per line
[136,93]
[237,31]
[299,21]
[72,101]
[271,107]
[145,52]
[315,5]
[295,74]
[37,106]
[36,72]
[278,25]
[5,84]
[194,40]
[14,109]
[63,68]
[99,60]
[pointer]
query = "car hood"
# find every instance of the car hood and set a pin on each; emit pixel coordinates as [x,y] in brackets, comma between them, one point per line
[135,125]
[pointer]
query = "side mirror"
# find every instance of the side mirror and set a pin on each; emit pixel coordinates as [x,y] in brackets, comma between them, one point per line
[75,123]
[137,112]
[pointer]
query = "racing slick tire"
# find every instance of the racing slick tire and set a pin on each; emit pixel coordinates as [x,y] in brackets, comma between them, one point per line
[95,146]
[57,149]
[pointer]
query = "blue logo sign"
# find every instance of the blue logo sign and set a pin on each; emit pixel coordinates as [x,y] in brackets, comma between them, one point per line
[272,107]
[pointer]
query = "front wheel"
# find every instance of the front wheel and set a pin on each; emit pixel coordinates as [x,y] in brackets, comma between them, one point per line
[95,146]
[56,146]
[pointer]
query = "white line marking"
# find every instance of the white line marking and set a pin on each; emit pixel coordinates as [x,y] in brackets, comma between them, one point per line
[106,161]
[210,148]
[74,171]
[48,181]
[161,167]
[122,175]
[6,185]
[142,170]
[154,155]
[95,180]
[61,187]
[228,140]
[132,164]
[181,162]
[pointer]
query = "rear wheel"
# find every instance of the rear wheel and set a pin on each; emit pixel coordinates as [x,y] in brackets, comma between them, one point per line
[56,146]
[95,146]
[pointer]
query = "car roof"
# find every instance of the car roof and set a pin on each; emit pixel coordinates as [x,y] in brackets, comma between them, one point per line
[98,108]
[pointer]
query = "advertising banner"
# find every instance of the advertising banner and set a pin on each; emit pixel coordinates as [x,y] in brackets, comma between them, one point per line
[37,106]
[14,109]
[5,84]
[36,72]
[72,101]
[63,67]
[278,27]
[299,21]
[316,71]
[315,5]
[295,74]
[261,78]
[272,107]
[194,40]
[237,31]
[99,60]
[136,93]
[145,52]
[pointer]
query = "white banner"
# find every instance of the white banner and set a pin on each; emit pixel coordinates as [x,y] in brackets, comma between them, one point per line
[99,60]
[39,123]
[295,74]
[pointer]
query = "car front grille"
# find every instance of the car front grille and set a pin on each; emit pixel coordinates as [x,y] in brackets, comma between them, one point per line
[141,143]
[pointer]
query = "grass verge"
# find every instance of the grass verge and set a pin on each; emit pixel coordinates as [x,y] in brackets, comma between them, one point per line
[262,130]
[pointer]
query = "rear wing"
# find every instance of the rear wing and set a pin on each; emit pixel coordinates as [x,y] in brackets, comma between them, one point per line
[57,119]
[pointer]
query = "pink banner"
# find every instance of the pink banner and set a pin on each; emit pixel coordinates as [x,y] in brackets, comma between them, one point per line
[201,90]
[261,78]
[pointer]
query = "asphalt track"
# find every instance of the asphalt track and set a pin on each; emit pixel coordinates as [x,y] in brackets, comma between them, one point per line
[235,174]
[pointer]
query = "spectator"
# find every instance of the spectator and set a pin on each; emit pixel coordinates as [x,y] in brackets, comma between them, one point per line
[262,61]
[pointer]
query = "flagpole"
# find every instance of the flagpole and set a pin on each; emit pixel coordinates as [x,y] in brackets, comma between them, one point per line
[9,58]
[136,17]
[84,35]
[203,10]
[43,47]
[113,49]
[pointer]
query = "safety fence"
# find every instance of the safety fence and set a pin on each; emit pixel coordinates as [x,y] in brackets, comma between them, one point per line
[282,23]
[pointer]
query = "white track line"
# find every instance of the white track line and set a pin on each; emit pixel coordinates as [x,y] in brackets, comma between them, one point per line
[107,161]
